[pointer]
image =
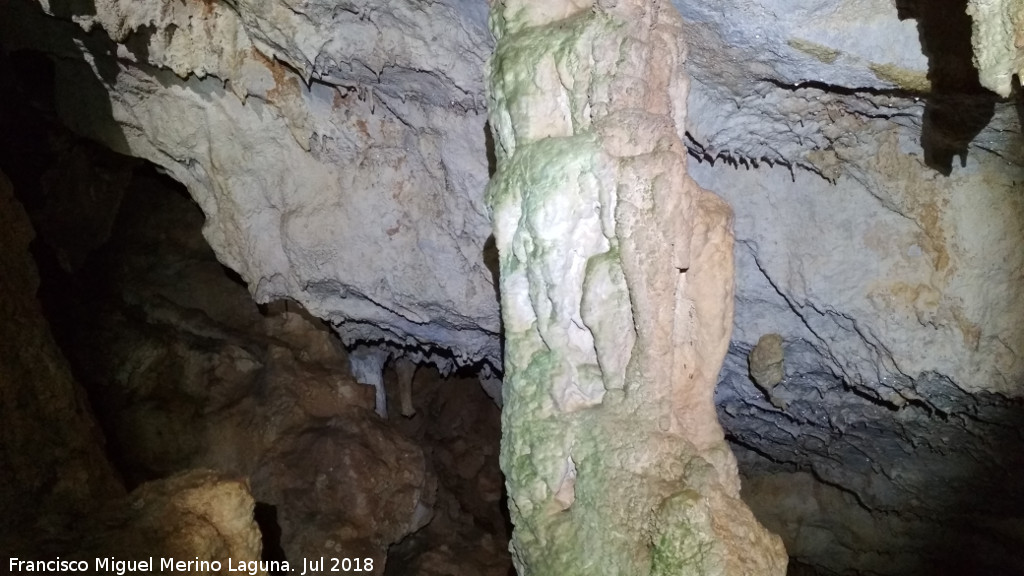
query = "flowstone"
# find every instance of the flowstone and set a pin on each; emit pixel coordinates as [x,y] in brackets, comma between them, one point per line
[616,290]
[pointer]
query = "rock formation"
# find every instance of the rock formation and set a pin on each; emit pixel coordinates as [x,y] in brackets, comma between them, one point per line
[186,372]
[998,40]
[200,516]
[51,448]
[894,287]
[870,151]
[60,496]
[351,113]
[616,290]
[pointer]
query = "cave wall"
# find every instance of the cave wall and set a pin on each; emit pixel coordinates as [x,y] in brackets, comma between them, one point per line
[293,129]
[60,494]
[187,375]
[912,464]
[53,470]
[878,227]
[335,126]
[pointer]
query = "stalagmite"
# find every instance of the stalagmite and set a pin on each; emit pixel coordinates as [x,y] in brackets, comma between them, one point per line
[616,292]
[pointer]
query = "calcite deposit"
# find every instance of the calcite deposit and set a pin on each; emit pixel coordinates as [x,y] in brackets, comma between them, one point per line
[295,128]
[894,287]
[998,40]
[616,287]
[767,362]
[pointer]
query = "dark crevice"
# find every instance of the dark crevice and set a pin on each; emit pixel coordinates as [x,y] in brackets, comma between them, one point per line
[852,493]
[843,90]
[492,159]
[795,466]
[265,516]
[1018,100]
[228,272]
[756,449]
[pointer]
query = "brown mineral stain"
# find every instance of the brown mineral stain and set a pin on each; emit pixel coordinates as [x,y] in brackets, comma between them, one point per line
[919,198]
[929,216]
[286,84]
[926,303]
[208,6]
[904,297]
[823,53]
[361,124]
[970,331]
[339,99]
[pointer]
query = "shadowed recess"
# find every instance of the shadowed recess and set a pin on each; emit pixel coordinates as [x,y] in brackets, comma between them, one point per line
[958,107]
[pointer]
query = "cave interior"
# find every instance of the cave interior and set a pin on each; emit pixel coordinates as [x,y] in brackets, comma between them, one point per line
[251,288]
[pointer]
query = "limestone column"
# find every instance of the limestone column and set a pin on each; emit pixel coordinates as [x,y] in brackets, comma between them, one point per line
[616,291]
